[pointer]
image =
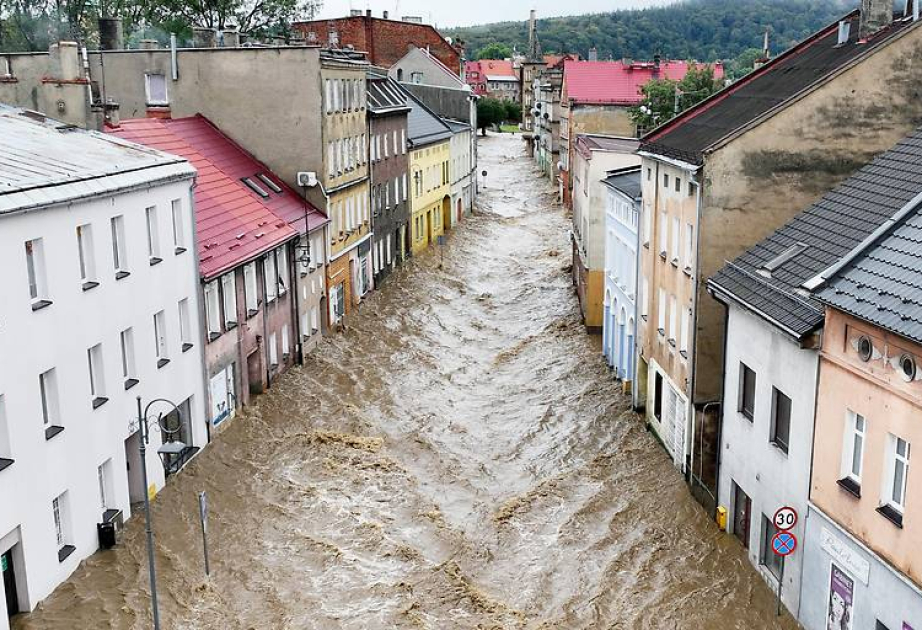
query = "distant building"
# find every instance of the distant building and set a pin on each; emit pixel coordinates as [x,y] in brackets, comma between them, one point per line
[462,172]
[493,78]
[546,121]
[596,156]
[596,97]
[263,294]
[421,67]
[475,78]
[622,217]
[388,110]
[101,305]
[721,177]
[385,40]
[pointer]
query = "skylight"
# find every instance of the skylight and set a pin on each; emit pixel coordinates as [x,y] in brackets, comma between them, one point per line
[268,182]
[255,187]
[785,257]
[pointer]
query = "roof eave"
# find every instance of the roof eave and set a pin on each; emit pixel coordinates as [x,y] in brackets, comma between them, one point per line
[722,294]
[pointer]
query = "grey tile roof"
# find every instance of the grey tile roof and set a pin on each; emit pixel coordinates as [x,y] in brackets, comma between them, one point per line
[883,284]
[688,136]
[457,126]
[627,181]
[423,125]
[610,143]
[831,228]
[44,162]
[385,95]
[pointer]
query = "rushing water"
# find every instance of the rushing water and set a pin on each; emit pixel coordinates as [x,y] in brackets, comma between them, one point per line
[459,458]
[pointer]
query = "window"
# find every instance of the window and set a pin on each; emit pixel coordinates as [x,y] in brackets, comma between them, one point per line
[897,473]
[104,478]
[6,453]
[153,236]
[661,307]
[270,277]
[689,245]
[781,420]
[87,256]
[742,508]
[658,396]
[185,325]
[229,293]
[119,255]
[51,411]
[35,268]
[129,371]
[645,298]
[676,237]
[160,339]
[673,321]
[647,217]
[179,231]
[665,180]
[747,393]
[250,289]
[97,376]
[273,351]
[649,174]
[286,349]
[678,184]
[212,310]
[768,558]
[663,233]
[685,332]
[282,268]
[156,88]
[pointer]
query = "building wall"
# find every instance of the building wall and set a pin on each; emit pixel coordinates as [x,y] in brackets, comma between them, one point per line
[771,478]
[386,41]
[59,337]
[236,88]
[389,200]
[462,173]
[619,320]
[457,104]
[891,406]
[427,221]
[419,68]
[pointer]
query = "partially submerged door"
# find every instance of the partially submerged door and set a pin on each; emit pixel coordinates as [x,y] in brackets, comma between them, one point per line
[9,583]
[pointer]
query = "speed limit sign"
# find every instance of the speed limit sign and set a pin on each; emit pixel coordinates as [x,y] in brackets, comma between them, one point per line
[785,519]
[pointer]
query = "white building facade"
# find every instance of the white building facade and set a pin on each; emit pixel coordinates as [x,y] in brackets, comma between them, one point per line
[622,216]
[462,170]
[101,275]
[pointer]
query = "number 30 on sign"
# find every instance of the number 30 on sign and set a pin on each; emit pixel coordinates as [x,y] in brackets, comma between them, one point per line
[785,519]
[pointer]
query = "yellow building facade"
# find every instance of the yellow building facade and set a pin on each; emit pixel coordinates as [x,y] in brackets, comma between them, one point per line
[430,202]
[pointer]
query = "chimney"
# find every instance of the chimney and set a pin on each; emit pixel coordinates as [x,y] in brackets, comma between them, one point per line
[203,37]
[386,15]
[355,13]
[845,29]
[149,44]
[593,54]
[875,14]
[657,60]
[368,13]
[65,61]
[230,38]
[111,35]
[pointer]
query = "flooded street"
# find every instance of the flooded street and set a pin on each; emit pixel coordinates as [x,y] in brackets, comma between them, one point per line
[459,458]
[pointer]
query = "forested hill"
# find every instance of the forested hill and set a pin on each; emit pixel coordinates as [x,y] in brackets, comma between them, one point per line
[707,30]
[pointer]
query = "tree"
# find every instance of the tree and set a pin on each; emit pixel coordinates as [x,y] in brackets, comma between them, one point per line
[495,51]
[743,63]
[490,112]
[665,98]
[250,16]
[513,111]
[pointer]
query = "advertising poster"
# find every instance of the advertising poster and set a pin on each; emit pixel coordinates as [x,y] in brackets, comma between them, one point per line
[841,600]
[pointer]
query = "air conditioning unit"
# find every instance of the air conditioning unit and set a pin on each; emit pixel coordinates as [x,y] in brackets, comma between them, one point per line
[307,179]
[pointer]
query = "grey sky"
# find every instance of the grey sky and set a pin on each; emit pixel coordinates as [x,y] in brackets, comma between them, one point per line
[466,12]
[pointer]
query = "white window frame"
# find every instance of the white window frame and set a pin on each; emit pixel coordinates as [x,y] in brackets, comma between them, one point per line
[129,368]
[161,342]
[676,240]
[229,299]
[896,461]
[689,246]
[96,365]
[152,99]
[179,228]
[212,310]
[661,315]
[119,252]
[283,277]
[87,255]
[856,427]
[185,325]
[664,232]
[50,402]
[153,235]
[251,288]
[273,351]
[36,271]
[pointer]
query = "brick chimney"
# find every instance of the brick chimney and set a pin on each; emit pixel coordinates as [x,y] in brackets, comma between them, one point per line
[875,14]
[593,54]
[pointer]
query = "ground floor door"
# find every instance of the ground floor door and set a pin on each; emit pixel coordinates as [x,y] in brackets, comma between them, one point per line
[742,508]
[136,487]
[223,395]
[9,583]
[431,223]
[255,372]
[460,210]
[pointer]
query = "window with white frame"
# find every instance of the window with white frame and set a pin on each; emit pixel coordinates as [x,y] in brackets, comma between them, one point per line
[119,252]
[104,481]
[129,369]
[6,451]
[59,512]
[186,334]
[273,351]
[36,273]
[179,228]
[685,332]
[644,298]
[897,473]
[229,294]
[161,346]
[689,245]
[48,392]
[661,308]
[853,449]
[97,376]
[153,235]
[284,276]
[646,229]
[87,256]
[212,310]
[270,277]
[663,232]
[286,342]
[673,321]
[676,240]
[156,89]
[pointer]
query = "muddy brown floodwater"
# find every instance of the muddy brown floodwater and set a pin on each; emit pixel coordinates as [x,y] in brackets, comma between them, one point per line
[460,458]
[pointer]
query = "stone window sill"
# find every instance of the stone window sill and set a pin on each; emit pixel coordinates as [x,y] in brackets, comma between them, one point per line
[187,346]
[131,382]
[121,275]
[99,401]
[162,363]
[90,285]
[53,431]
[40,304]
[5,463]
[891,514]
[65,552]
[850,486]
[155,261]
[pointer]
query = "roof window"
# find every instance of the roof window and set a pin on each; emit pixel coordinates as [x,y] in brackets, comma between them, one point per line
[785,257]
[268,182]
[255,187]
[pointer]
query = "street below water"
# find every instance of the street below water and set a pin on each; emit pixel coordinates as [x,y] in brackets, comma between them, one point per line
[459,458]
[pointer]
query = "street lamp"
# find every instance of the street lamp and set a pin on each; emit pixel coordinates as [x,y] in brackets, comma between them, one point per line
[170,448]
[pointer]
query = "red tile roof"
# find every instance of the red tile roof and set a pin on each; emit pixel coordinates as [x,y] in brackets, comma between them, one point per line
[233,223]
[497,68]
[617,83]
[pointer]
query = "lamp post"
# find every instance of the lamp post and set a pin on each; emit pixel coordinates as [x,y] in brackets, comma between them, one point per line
[169,448]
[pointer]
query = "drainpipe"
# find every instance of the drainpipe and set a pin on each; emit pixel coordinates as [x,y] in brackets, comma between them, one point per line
[265,318]
[174,60]
[296,288]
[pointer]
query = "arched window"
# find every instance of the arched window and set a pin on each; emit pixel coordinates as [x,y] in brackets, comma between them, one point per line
[400,74]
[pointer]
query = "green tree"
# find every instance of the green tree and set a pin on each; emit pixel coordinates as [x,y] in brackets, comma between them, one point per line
[490,112]
[495,51]
[743,63]
[665,98]
[513,111]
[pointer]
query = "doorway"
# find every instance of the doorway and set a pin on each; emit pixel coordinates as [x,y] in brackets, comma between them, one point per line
[255,372]
[7,569]
[460,210]
[446,214]
[136,487]
[742,507]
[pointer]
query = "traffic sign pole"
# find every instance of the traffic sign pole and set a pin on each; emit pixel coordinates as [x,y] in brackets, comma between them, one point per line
[203,515]
[781,583]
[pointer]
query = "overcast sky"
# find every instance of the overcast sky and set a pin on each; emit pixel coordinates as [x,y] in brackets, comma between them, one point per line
[466,12]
